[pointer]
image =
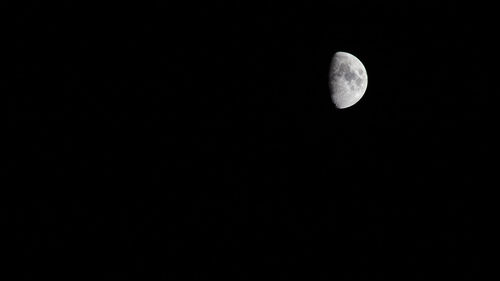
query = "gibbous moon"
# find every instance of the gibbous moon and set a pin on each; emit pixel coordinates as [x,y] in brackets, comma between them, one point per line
[348,80]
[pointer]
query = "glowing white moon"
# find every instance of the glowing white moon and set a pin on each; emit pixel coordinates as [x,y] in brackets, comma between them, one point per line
[348,79]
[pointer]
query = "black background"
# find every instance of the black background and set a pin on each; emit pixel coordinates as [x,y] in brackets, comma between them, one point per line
[201,142]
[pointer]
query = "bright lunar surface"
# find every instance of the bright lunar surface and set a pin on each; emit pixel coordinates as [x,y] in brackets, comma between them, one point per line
[348,80]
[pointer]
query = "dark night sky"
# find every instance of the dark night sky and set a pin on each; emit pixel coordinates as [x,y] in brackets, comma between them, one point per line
[200,142]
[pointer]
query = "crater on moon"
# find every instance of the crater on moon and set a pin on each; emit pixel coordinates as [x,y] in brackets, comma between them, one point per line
[359,81]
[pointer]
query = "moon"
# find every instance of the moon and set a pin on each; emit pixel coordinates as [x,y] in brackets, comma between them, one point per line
[348,80]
